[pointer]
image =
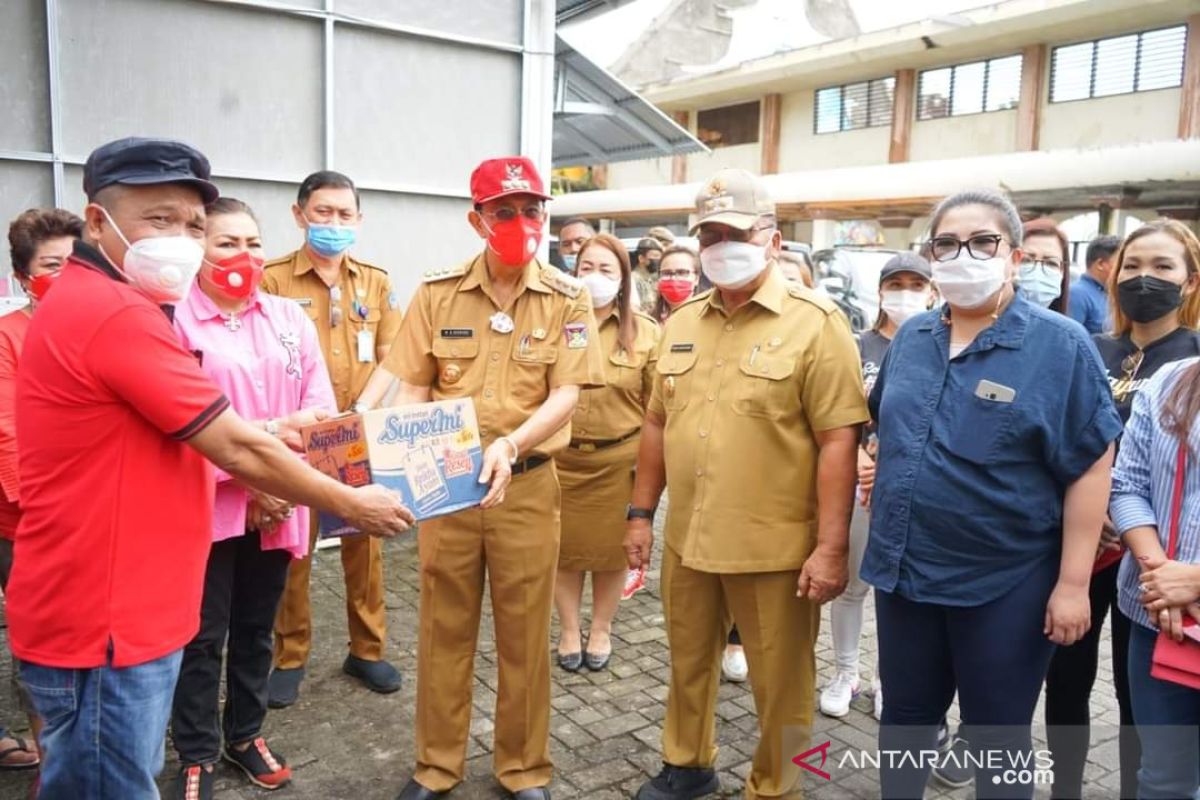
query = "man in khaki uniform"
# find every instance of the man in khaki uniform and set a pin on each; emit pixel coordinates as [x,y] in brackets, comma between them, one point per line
[518,337]
[753,426]
[357,315]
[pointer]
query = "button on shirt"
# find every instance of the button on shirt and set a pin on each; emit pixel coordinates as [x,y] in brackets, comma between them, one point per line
[448,344]
[1089,304]
[742,394]
[116,519]
[969,491]
[271,366]
[367,303]
[616,410]
[1144,482]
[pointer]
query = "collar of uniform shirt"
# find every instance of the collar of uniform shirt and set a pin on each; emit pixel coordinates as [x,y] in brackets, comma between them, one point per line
[769,295]
[203,308]
[1007,331]
[477,277]
[304,264]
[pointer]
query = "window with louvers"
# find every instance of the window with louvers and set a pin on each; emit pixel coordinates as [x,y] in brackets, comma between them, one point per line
[972,88]
[852,106]
[1135,62]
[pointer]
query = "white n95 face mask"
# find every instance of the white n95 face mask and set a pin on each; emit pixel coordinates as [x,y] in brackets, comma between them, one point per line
[968,282]
[163,268]
[601,287]
[731,265]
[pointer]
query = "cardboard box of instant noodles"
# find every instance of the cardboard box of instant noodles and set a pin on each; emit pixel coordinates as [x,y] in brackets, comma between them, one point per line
[430,453]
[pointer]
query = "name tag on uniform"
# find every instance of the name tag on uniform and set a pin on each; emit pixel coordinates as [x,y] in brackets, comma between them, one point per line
[458,333]
[684,347]
[304,301]
[366,346]
[996,392]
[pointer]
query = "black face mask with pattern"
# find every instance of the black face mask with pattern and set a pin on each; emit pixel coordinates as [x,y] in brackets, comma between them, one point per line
[1146,298]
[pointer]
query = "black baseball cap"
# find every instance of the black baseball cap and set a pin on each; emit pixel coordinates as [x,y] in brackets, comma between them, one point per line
[906,261]
[138,161]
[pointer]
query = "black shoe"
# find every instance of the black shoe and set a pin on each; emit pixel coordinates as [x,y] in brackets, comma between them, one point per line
[283,687]
[415,791]
[571,662]
[596,661]
[532,793]
[379,676]
[195,783]
[679,783]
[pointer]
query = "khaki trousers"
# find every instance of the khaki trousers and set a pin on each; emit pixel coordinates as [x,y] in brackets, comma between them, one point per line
[516,546]
[779,632]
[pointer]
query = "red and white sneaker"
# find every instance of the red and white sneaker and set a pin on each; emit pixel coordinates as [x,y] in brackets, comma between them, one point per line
[262,766]
[635,581]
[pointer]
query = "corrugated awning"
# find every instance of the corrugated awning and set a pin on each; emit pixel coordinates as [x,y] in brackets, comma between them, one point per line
[598,120]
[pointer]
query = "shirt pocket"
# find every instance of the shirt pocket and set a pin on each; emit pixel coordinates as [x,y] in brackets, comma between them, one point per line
[764,387]
[530,371]
[455,357]
[370,321]
[980,429]
[624,372]
[677,372]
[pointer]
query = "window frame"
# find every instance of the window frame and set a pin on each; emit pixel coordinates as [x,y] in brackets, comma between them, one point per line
[1137,64]
[985,83]
[841,88]
[758,132]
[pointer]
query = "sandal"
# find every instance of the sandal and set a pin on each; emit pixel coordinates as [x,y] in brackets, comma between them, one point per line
[262,766]
[22,747]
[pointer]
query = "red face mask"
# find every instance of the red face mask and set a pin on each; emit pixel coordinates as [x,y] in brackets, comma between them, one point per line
[515,241]
[675,290]
[237,276]
[40,284]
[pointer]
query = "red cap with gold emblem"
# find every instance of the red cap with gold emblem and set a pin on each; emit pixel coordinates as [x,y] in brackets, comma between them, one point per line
[500,177]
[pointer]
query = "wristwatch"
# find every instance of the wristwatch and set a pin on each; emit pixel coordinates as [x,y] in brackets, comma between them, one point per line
[515,451]
[271,426]
[638,513]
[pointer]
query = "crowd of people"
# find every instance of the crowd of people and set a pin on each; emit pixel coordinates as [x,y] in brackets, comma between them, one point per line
[1005,458]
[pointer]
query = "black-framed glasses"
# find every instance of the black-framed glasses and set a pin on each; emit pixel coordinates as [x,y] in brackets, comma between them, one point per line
[335,309]
[676,273]
[947,248]
[1052,264]
[508,213]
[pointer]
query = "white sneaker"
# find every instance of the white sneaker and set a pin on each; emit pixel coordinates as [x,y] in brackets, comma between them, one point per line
[877,691]
[734,666]
[837,694]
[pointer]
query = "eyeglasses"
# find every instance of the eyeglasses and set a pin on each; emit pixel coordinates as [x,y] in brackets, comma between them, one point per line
[508,213]
[335,309]
[1052,264]
[947,248]
[1130,365]
[676,273]
[710,236]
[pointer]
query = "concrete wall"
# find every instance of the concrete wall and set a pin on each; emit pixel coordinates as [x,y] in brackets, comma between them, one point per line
[959,137]
[741,156]
[1123,119]
[645,172]
[800,148]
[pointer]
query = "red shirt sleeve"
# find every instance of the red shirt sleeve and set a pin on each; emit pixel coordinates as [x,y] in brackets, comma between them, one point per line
[9,347]
[137,355]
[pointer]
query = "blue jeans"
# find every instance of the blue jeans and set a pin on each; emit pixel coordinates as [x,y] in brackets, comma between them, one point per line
[1167,716]
[104,728]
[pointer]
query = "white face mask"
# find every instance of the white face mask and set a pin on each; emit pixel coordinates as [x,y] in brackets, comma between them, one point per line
[969,282]
[732,265]
[602,288]
[163,268]
[902,304]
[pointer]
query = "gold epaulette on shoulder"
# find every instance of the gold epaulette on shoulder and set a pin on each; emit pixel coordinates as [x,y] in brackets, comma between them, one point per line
[275,262]
[447,272]
[561,282]
[370,266]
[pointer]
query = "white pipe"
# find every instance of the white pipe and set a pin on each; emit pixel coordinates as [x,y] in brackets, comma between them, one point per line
[1176,161]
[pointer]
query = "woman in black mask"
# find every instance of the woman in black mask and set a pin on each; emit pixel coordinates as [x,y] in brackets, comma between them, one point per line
[1154,299]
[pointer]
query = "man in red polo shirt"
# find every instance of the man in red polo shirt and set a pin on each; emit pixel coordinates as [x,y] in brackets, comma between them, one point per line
[115,421]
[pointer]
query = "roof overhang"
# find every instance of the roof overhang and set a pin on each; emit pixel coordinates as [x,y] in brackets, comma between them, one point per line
[599,120]
[1151,175]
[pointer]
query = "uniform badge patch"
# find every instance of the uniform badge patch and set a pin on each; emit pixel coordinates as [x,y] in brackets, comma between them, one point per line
[577,336]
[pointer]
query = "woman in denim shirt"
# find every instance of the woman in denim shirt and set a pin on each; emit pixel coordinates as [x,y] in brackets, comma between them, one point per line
[995,431]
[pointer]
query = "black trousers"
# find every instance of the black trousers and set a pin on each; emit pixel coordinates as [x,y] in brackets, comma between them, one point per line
[242,587]
[1069,687]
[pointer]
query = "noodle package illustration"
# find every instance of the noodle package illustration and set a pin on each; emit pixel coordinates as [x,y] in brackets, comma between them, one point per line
[430,453]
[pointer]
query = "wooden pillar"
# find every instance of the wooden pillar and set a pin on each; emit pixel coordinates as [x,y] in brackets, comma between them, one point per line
[904,101]
[1189,96]
[679,163]
[772,108]
[1029,108]
[600,176]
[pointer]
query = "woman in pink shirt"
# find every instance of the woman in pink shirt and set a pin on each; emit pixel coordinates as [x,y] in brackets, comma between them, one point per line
[263,352]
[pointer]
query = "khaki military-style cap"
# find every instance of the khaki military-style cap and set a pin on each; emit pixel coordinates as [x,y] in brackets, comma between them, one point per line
[733,197]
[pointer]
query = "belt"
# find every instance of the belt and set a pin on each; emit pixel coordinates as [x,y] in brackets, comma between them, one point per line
[600,444]
[531,463]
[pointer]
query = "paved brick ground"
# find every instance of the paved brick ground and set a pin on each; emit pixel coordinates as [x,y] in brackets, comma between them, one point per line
[348,744]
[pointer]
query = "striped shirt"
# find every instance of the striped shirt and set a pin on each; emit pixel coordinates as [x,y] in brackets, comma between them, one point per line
[1143,482]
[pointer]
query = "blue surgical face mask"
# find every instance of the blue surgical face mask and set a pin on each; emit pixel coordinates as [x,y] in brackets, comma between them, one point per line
[569,262]
[1039,286]
[331,240]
